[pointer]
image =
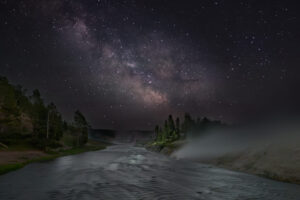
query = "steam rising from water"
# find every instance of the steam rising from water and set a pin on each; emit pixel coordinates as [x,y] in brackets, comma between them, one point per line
[217,143]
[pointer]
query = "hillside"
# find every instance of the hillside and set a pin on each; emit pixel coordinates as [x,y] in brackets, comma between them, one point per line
[28,120]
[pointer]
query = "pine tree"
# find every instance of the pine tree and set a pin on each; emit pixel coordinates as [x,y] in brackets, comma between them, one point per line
[188,124]
[171,123]
[82,128]
[54,123]
[156,133]
[177,128]
[39,115]
[166,131]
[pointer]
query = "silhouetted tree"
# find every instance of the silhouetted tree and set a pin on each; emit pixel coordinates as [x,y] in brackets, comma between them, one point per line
[172,131]
[39,114]
[171,124]
[156,132]
[177,127]
[188,124]
[54,123]
[81,125]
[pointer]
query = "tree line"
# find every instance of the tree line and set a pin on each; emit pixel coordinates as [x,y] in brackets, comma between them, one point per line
[27,117]
[175,130]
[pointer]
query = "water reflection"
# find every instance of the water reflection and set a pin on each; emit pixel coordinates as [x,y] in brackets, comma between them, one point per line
[126,172]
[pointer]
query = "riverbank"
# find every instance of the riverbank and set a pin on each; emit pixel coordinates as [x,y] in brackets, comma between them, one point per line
[127,172]
[274,162]
[166,148]
[17,157]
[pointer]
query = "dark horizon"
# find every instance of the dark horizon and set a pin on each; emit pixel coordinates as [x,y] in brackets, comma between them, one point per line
[129,64]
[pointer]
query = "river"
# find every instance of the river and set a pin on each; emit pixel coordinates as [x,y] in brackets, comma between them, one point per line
[126,172]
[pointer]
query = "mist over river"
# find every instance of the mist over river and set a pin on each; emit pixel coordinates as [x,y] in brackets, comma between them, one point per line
[127,172]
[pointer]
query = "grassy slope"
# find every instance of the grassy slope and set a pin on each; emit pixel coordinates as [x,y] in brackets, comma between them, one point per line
[91,146]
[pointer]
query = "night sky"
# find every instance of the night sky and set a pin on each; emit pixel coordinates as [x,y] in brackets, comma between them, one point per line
[128,64]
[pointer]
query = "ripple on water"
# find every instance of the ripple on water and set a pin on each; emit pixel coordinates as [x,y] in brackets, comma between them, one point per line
[125,173]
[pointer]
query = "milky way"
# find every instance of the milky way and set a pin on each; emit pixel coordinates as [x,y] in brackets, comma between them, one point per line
[128,64]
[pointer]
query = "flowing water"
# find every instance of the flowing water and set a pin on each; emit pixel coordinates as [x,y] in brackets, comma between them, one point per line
[126,172]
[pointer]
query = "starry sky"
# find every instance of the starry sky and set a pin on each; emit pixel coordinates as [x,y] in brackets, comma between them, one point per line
[127,64]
